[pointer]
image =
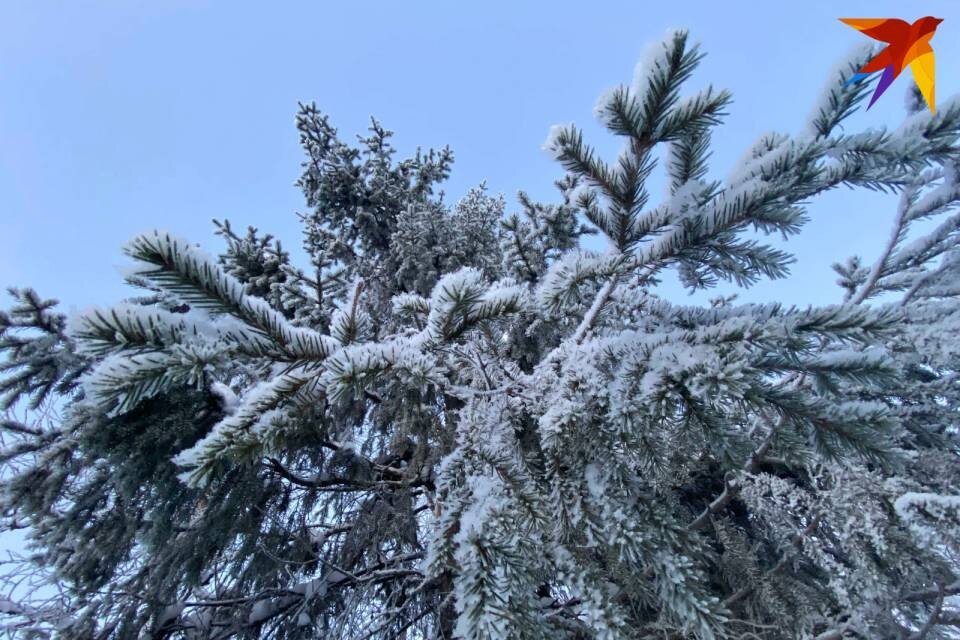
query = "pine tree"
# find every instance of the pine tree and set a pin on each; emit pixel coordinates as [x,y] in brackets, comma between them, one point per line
[458,423]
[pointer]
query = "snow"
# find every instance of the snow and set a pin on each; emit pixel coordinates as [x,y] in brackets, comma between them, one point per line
[951,173]
[257,313]
[102,383]
[461,298]
[171,613]
[652,57]
[936,199]
[754,167]
[316,588]
[483,501]
[552,145]
[684,200]
[454,286]
[926,246]
[359,364]
[262,610]
[911,131]
[558,414]
[154,322]
[760,146]
[318,537]
[870,358]
[907,504]
[501,295]
[600,109]
[672,361]
[228,399]
[581,189]
[350,322]
[160,237]
[252,417]
[856,56]
[595,480]
[10,607]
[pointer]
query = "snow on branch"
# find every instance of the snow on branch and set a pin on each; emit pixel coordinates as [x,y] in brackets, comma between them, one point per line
[251,426]
[185,270]
[838,100]
[462,299]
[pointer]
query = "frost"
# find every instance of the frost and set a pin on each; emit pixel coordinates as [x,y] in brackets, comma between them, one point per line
[756,166]
[555,418]
[410,304]
[351,322]
[357,366]
[452,411]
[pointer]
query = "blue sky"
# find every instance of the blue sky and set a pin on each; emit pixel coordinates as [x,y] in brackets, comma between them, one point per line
[121,116]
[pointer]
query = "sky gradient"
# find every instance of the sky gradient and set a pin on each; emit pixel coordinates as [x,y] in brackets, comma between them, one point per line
[119,116]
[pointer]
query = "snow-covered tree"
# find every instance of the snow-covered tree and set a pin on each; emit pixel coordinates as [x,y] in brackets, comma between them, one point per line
[461,423]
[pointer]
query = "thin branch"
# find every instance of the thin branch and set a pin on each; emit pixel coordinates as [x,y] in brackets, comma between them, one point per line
[731,487]
[895,236]
[795,541]
[932,620]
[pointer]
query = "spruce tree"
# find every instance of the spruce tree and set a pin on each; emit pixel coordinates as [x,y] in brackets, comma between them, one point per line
[459,422]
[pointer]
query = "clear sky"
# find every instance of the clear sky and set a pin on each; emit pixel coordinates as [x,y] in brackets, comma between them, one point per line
[121,116]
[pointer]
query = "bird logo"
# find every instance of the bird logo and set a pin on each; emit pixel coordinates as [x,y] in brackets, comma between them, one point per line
[907,44]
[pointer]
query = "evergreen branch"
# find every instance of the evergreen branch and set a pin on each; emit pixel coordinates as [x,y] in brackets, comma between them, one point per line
[121,382]
[562,283]
[249,428]
[730,486]
[351,371]
[688,158]
[661,85]
[846,426]
[568,147]
[839,99]
[461,300]
[693,116]
[934,618]
[602,297]
[927,595]
[795,541]
[41,359]
[182,269]
[17,427]
[881,263]
[133,328]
